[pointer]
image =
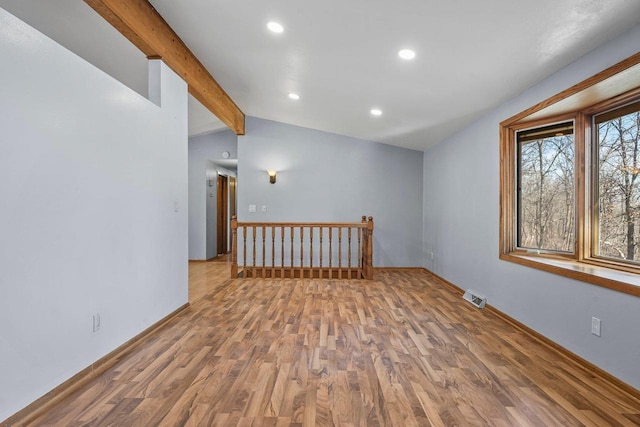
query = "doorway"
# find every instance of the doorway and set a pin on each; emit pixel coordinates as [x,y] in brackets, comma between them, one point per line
[222,214]
[232,205]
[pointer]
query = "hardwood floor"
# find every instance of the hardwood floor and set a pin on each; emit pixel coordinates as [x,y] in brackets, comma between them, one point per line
[403,350]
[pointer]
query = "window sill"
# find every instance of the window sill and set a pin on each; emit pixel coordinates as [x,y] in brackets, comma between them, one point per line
[617,280]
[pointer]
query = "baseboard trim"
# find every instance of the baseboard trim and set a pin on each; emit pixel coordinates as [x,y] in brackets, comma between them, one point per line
[383,269]
[195,261]
[552,345]
[443,280]
[46,402]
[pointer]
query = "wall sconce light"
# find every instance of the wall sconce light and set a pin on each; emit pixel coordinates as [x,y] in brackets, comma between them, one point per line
[272,176]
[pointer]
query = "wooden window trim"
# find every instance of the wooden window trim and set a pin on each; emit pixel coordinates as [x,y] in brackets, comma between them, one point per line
[606,90]
[606,277]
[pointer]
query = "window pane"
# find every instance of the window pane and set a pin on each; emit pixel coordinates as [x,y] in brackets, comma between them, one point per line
[618,186]
[546,188]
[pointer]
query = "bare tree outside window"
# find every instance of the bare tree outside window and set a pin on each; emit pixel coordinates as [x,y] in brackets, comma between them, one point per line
[546,188]
[618,199]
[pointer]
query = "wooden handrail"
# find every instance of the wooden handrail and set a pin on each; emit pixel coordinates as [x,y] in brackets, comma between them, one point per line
[306,224]
[308,240]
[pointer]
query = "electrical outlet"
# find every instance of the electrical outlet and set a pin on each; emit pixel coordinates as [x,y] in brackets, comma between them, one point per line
[96,322]
[595,326]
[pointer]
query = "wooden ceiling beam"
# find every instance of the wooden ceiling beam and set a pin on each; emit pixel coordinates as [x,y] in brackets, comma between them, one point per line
[139,22]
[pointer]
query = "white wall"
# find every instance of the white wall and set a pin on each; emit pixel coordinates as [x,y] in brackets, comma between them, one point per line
[204,151]
[328,177]
[91,175]
[461,222]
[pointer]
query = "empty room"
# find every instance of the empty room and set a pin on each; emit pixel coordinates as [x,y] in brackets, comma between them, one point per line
[277,213]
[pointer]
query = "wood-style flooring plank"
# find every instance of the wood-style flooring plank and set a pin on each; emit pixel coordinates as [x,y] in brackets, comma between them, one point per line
[402,350]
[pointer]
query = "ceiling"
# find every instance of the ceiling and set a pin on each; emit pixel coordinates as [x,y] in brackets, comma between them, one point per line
[341,56]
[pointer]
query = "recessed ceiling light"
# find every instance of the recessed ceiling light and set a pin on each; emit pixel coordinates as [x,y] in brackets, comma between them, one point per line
[406,54]
[376,112]
[275,27]
[294,96]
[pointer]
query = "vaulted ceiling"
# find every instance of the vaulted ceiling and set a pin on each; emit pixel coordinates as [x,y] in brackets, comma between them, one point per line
[341,57]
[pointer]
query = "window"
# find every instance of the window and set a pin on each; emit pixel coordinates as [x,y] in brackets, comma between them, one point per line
[570,181]
[617,189]
[545,203]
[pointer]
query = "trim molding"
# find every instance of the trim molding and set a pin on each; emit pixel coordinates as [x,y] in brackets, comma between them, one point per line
[552,345]
[583,363]
[607,277]
[383,269]
[44,403]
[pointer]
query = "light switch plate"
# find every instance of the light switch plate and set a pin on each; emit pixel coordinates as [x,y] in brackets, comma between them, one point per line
[595,326]
[252,208]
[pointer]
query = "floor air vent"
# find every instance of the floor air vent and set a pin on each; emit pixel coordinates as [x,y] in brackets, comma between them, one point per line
[475,298]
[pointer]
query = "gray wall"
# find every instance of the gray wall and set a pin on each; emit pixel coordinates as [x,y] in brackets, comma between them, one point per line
[329,177]
[93,183]
[204,151]
[461,221]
